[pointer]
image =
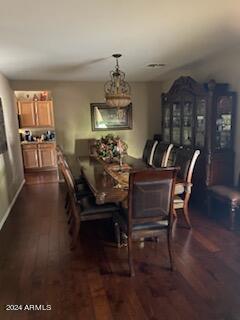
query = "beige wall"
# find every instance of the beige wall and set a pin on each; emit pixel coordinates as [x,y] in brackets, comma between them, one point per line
[11,169]
[72,112]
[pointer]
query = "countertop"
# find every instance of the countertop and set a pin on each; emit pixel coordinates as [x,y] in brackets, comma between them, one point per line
[38,142]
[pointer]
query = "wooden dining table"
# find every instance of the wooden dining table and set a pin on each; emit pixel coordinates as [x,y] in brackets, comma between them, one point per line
[109,181]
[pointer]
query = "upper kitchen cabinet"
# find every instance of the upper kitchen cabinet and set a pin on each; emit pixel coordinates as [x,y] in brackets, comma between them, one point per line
[36,114]
[26,112]
[44,113]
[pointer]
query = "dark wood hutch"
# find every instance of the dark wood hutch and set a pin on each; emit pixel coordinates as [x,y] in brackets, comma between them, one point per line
[202,116]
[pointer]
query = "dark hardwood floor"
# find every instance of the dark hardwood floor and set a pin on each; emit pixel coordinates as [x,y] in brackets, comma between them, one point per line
[41,177]
[37,267]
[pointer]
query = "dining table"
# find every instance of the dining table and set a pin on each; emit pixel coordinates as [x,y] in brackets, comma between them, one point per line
[109,181]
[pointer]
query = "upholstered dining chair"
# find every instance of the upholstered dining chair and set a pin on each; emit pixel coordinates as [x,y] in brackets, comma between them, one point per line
[161,155]
[60,154]
[150,204]
[185,159]
[149,150]
[83,208]
[79,183]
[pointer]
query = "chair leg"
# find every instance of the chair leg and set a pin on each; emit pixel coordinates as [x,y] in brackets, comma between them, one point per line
[232,216]
[69,218]
[75,233]
[174,213]
[71,225]
[130,260]
[117,234]
[170,252]
[209,205]
[66,201]
[185,210]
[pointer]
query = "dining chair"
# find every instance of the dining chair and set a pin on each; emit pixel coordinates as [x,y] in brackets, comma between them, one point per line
[92,147]
[185,159]
[161,155]
[172,156]
[84,208]
[150,204]
[80,185]
[148,151]
[60,153]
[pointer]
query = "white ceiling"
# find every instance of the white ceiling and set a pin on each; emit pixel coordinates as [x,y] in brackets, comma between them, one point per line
[74,39]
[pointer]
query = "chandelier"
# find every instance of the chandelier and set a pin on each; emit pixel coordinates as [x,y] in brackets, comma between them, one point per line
[117,90]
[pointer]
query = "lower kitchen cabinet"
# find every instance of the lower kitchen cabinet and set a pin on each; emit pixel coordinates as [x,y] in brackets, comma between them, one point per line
[39,156]
[46,155]
[30,156]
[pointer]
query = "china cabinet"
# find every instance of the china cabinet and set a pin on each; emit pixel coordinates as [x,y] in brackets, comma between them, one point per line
[184,113]
[202,116]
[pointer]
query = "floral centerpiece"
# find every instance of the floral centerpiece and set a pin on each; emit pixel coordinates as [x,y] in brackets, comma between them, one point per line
[110,148]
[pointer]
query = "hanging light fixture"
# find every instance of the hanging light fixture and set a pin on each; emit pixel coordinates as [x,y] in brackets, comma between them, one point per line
[117,90]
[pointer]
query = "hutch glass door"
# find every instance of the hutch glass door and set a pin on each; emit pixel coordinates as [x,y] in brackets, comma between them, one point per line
[176,123]
[200,129]
[187,123]
[166,123]
[224,122]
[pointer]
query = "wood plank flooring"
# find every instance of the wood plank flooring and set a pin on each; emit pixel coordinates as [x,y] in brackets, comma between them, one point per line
[37,267]
[41,177]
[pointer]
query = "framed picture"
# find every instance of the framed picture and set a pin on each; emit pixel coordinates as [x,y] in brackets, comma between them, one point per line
[3,138]
[106,118]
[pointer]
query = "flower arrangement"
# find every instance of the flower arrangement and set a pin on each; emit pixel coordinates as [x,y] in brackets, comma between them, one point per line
[110,147]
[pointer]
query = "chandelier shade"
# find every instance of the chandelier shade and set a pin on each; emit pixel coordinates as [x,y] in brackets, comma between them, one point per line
[117,90]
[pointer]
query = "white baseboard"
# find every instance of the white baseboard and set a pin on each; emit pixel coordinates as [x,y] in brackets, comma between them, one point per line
[11,205]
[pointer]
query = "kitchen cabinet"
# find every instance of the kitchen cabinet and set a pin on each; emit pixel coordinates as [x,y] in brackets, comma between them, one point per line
[26,112]
[46,155]
[39,156]
[30,156]
[44,113]
[35,114]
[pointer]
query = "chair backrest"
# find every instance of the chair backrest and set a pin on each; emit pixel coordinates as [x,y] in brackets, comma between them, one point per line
[161,154]
[151,195]
[59,151]
[186,159]
[148,151]
[70,184]
[67,175]
[62,160]
[92,147]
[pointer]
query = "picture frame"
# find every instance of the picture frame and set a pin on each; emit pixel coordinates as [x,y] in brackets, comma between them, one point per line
[105,118]
[3,137]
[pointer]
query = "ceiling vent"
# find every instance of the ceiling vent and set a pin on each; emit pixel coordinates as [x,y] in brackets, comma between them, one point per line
[156,65]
